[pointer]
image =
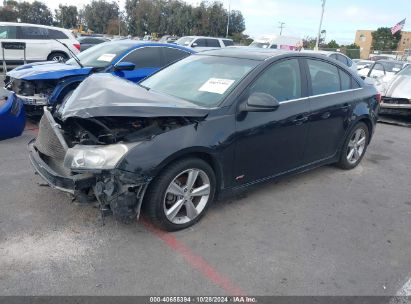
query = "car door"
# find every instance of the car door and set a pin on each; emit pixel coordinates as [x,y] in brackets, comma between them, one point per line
[37,45]
[147,60]
[331,101]
[269,143]
[8,34]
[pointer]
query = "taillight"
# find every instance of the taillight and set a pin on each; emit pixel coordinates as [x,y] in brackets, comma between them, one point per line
[77,46]
[378,97]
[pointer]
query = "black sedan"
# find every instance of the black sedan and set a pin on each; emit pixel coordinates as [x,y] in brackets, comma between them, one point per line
[210,124]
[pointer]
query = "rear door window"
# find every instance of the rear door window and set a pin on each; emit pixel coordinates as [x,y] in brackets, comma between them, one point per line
[213,43]
[228,42]
[33,32]
[172,55]
[147,57]
[282,80]
[324,77]
[7,32]
[345,80]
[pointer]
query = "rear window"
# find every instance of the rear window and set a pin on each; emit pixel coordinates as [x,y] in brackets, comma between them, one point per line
[54,34]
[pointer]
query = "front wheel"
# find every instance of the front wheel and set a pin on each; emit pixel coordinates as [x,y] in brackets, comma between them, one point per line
[181,194]
[354,147]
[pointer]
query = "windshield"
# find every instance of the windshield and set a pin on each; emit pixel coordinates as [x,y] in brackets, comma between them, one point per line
[262,45]
[100,55]
[184,41]
[202,80]
[406,71]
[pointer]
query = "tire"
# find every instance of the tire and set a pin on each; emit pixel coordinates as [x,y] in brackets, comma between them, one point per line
[58,57]
[174,211]
[355,146]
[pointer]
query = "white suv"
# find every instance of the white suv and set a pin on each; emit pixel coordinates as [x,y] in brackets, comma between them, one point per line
[40,42]
[204,43]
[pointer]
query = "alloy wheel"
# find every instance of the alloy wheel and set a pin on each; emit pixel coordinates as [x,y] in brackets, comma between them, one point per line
[187,196]
[356,146]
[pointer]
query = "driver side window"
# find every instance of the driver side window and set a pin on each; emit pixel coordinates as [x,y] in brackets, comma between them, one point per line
[281,80]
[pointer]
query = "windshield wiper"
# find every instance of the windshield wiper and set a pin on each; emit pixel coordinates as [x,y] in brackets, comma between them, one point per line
[72,53]
[143,86]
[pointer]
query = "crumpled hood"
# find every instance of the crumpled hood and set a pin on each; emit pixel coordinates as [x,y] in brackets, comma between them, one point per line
[106,95]
[47,70]
[400,87]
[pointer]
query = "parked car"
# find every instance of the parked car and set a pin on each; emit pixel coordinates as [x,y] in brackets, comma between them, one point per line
[50,83]
[204,43]
[87,42]
[361,64]
[40,42]
[277,42]
[381,72]
[168,39]
[212,123]
[397,98]
[337,56]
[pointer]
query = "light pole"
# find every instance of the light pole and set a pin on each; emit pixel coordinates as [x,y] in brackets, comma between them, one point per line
[281,27]
[119,19]
[319,28]
[228,18]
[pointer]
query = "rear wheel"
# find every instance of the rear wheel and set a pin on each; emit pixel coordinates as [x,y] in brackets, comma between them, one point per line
[354,147]
[57,56]
[181,194]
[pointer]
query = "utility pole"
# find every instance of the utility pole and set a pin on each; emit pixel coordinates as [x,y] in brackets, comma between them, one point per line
[228,18]
[319,28]
[119,19]
[281,27]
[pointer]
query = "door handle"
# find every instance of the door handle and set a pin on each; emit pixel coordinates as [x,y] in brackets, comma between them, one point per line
[300,119]
[325,115]
[345,107]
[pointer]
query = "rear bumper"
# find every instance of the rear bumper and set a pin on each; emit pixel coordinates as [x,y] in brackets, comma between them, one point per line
[64,183]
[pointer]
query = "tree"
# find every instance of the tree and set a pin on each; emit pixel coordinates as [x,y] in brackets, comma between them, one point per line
[384,40]
[66,16]
[98,13]
[352,46]
[333,45]
[9,11]
[36,12]
[237,23]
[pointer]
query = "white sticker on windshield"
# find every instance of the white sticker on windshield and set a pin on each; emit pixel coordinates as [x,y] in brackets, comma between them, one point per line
[106,57]
[216,85]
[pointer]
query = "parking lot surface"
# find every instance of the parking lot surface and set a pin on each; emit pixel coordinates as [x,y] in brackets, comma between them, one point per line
[324,232]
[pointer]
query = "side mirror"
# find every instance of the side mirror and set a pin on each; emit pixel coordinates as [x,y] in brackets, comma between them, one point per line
[260,102]
[194,44]
[124,66]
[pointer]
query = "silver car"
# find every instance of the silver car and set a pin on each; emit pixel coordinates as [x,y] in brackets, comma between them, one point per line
[397,97]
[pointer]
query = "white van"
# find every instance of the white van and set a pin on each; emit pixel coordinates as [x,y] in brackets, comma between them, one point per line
[277,42]
[201,43]
[40,42]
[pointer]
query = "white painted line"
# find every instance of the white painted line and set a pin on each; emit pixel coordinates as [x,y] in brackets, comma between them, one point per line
[405,290]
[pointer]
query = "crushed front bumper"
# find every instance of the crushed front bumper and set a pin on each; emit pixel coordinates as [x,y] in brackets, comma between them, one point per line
[68,184]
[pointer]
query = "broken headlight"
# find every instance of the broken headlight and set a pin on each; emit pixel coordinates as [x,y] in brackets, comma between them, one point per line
[96,157]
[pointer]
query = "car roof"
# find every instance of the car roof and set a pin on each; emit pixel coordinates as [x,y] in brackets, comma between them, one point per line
[31,24]
[141,43]
[245,53]
[391,61]
[207,37]
[326,53]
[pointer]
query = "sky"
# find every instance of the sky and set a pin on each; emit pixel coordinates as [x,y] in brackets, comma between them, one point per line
[301,17]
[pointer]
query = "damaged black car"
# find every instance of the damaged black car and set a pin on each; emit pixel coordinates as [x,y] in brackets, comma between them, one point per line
[208,125]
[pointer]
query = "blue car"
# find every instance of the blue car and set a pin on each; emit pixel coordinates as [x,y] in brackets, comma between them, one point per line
[51,83]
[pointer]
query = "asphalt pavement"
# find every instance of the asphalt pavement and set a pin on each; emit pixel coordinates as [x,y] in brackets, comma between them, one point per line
[324,232]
